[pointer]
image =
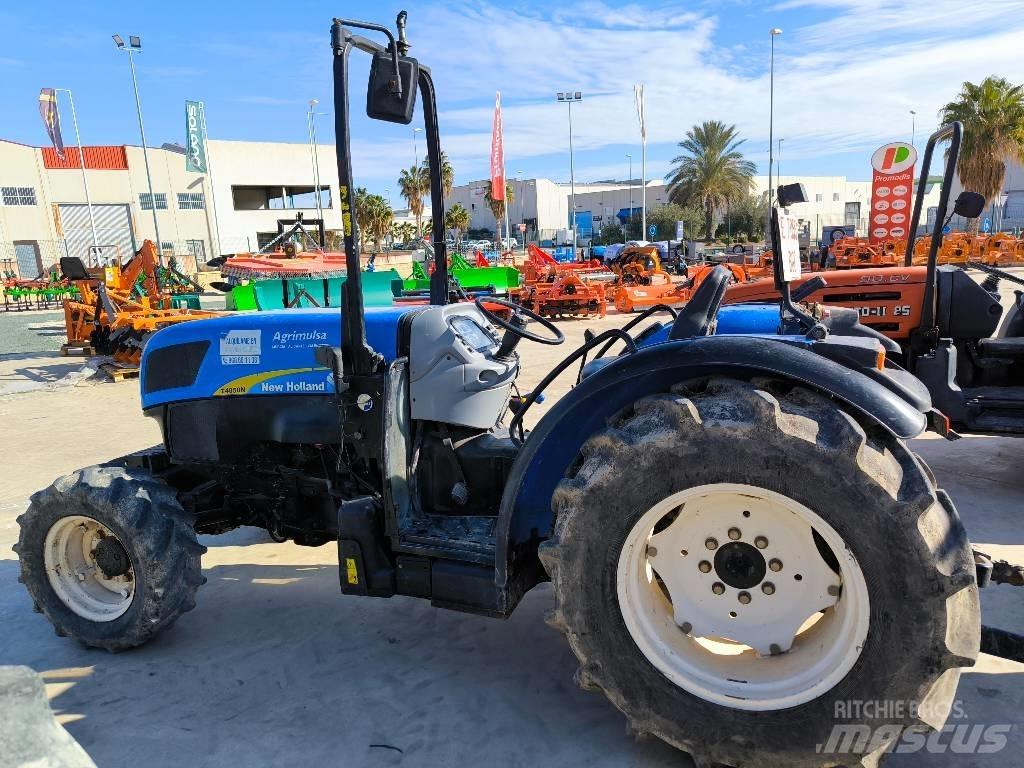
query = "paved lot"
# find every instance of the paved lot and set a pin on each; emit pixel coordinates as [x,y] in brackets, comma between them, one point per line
[275,667]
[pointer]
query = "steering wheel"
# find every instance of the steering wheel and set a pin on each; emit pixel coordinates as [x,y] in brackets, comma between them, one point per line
[520,330]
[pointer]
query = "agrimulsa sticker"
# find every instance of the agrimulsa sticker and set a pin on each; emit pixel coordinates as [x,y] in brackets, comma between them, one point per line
[240,348]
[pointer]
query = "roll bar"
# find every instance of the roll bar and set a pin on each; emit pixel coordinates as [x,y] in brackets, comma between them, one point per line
[358,357]
[953,132]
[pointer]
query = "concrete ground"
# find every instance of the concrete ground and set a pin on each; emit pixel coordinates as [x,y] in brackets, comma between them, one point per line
[275,667]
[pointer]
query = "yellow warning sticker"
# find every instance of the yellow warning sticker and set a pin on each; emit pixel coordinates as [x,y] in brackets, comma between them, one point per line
[351,572]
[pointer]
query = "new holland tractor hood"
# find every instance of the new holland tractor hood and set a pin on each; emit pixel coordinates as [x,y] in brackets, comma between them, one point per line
[254,353]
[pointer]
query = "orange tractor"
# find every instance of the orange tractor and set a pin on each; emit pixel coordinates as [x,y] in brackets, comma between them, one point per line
[120,305]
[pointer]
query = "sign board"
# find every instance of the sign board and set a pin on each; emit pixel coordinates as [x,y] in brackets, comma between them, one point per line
[652,230]
[195,140]
[680,230]
[892,189]
[947,229]
[789,247]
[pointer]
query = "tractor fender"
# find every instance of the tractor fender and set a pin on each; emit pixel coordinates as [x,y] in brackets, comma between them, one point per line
[525,513]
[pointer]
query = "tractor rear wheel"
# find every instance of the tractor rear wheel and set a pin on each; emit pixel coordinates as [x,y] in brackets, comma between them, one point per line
[753,576]
[109,556]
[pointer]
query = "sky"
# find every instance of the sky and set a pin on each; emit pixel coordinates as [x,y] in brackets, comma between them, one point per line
[847,75]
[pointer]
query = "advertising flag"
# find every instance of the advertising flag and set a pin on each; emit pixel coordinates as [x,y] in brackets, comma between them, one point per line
[195,139]
[638,97]
[497,153]
[892,189]
[51,118]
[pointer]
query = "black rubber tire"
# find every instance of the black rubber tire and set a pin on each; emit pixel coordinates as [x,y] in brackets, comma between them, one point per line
[906,536]
[145,515]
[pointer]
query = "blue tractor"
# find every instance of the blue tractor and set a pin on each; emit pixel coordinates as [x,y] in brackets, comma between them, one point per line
[738,539]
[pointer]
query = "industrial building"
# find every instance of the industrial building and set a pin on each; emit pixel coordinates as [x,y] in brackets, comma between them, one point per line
[43,211]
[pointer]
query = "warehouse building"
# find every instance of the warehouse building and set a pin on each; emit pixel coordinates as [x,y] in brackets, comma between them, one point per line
[44,215]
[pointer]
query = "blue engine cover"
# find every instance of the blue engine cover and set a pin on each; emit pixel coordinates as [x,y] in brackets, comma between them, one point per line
[733,320]
[254,353]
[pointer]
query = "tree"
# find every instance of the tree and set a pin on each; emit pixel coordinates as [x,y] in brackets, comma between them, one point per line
[993,118]
[457,219]
[447,174]
[414,184]
[665,218]
[373,218]
[611,233]
[745,217]
[711,171]
[498,206]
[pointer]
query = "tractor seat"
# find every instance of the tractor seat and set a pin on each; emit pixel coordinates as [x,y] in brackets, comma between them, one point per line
[699,314]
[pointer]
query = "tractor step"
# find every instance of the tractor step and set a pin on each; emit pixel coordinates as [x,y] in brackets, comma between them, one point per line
[119,372]
[995,409]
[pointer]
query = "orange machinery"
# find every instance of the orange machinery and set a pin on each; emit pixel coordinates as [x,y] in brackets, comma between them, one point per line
[120,305]
[555,288]
[860,253]
[641,283]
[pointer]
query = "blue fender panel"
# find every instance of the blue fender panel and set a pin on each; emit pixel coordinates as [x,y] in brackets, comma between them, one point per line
[525,511]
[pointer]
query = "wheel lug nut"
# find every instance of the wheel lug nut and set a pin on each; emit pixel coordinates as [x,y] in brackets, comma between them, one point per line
[760,542]
[775,564]
[768,588]
[718,588]
[705,566]
[735,534]
[687,627]
[711,544]
[652,551]
[833,590]
[744,598]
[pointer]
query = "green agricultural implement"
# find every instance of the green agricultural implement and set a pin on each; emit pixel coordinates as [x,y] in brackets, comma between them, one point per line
[379,290]
[498,280]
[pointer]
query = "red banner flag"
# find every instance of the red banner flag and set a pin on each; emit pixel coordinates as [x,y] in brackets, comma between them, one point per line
[892,189]
[497,153]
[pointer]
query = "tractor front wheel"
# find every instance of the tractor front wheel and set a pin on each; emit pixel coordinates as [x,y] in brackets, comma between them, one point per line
[750,574]
[109,556]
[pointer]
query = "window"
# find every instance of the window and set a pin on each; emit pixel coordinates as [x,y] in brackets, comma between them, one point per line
[146,202]
[817,198]
[191,201]
[279,198]
[198,249]
[263,239]
[18,195]
[835,197]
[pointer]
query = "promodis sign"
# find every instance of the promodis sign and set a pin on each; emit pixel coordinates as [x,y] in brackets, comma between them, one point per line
[892,188]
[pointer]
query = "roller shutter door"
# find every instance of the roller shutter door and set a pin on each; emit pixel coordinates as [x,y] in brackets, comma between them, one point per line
[113,228]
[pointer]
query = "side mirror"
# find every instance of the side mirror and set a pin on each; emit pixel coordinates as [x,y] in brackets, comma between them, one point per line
[969,205]
[790,194]
[383,101]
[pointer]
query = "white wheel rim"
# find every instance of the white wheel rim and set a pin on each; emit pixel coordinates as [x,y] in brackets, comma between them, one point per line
[772,652]
[76,577]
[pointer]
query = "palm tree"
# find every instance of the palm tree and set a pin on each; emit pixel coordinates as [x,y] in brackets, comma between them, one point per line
[447,174]
[993,118]
[457,219]
[373,217]
[414,184]
[711,171]
[498,206]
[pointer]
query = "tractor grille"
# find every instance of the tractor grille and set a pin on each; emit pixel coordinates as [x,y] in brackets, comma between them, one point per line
[174,366]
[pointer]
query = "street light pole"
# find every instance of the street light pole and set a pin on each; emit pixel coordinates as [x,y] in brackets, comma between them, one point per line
[775,32]
[913,126]
[415,146]
[625,229]
[778,166]
[569,97]
[135,46]
[81,160]
[311,119]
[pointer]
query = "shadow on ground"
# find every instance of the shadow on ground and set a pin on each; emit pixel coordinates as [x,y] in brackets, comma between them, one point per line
[351,681]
